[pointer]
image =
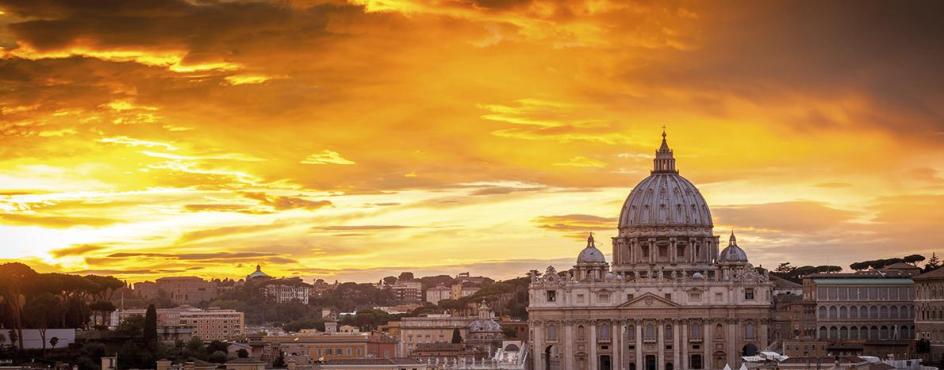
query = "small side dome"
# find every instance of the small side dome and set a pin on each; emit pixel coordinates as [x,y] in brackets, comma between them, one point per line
[732,253]
[590,254]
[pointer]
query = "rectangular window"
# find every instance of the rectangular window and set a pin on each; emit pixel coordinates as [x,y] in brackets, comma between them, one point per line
[629,297]
[694,296]
[604,297]
[718,297]
[552,296]
[749,294]
[668,296]
[580,298]
[680,250]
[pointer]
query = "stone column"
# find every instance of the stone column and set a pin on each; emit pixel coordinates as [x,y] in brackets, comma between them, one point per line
[592,360]
[708,336]
[734,331]
[660,344]
[616,332]
[676,351]
[683,346]
[639,345]
[567,347]
[673,252]
[538,346]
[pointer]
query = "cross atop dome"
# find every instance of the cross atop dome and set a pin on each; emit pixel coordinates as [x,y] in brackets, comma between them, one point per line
[732,240]
[590,243]
[665,160]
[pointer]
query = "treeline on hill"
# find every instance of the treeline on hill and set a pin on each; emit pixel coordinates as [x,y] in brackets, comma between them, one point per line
[51,300]
[913,259]
[795,274]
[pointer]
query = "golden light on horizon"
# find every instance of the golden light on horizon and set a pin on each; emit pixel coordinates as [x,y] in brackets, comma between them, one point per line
[353,139]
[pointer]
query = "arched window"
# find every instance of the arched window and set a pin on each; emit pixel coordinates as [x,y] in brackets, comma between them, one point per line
[581,333]
[883,312]
[719,331]
[894,312]
[833,332]
[668,332]
[749,331]
[822,312]
[630,333]
[832,312]
[843,312]
[823,333]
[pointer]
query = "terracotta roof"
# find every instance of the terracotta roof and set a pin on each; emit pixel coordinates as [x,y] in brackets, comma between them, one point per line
[933,274]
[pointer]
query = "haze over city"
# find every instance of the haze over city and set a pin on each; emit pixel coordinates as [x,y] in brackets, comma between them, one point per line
[352,140]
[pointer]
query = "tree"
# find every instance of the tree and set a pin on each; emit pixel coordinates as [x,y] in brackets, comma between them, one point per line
[405,276]
[456,337]
[54,341]
[390,280]
[15,277]
[150,326]
[43,310]
[859,266]
[933,263]
[279,361]
[784,268]
[132,326]
[217,357]
[913,259]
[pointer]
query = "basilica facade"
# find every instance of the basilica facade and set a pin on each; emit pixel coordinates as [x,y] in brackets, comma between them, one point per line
[670,299]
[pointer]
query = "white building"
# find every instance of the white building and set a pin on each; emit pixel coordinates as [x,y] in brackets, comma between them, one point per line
[438,293]
[670,300]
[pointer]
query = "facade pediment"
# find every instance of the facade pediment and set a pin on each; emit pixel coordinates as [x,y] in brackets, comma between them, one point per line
[650,301]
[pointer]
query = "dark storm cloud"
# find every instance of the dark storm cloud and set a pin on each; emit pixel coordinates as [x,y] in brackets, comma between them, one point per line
[887,53]
[226,28]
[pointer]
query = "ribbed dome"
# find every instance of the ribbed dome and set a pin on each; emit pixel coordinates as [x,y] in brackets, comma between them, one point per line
[484,326]
[590,254]
[258,274]
[664,198]
[732,253]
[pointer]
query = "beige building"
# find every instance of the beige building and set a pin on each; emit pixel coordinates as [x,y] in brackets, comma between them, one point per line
[408,291]
[374,364]
[182,290]
[430,329]
[929,311]
[336,346]
[870,313]
[213,324]
[438,293]
[288,290]
[671,300]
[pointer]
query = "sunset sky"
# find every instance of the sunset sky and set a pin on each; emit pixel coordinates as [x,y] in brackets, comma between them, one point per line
[353,140]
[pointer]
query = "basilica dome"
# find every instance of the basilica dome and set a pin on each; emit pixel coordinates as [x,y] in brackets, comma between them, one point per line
[732,253]
[590,254]
[665,199]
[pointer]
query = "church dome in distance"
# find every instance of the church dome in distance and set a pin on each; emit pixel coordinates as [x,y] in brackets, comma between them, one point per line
[665,199]
[732,253]
[590,254]
[258,274]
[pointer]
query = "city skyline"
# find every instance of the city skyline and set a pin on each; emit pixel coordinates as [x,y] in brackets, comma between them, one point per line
[354,140]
